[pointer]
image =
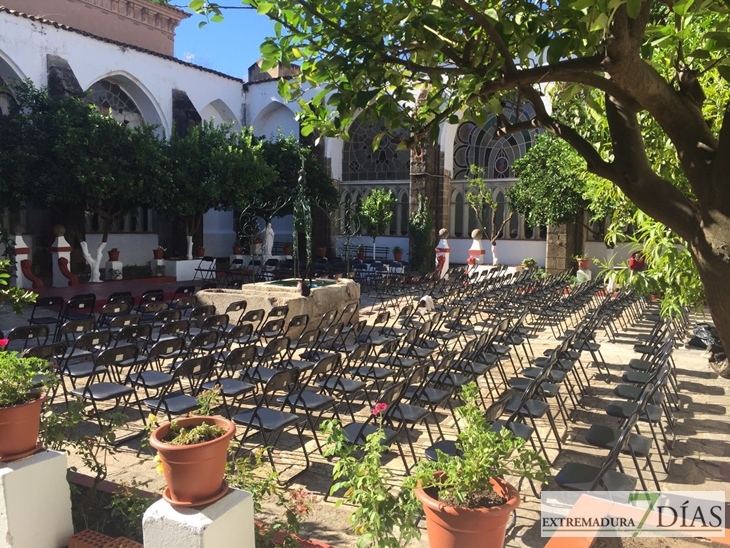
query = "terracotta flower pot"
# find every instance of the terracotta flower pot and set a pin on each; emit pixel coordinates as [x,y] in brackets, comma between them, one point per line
[288,250]
[200,252]
[450,527]
[113,255]
[398,256]
[584,264]
[194,473]
[237,249]
[19,426]
[322,252]
[157,253]
[361,255]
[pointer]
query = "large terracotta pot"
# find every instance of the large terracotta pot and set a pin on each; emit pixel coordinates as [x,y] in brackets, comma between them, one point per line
[237,249]
[200,252]
[450,527]
[584,264]
[19,426]
[113,255]
[398,256]
[157,253]
[194,473]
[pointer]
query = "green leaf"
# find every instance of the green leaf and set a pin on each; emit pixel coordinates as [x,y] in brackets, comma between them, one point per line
[196,5]
[633,8]
[264,7]
[724,71]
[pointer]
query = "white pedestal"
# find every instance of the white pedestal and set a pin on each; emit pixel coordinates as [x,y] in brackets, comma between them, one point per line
[35,502]
[114,265]
[442,256]
[232,258]
[23,246]
[227,523]
[155,265]
[183,270]
[60,248]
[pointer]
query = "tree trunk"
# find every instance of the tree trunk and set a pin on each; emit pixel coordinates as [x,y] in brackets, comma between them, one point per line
[495,259]
[93,262]
[373,249]
[189,253]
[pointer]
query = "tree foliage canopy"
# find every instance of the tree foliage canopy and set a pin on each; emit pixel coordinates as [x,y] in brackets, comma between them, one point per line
[376,212]
[550,184]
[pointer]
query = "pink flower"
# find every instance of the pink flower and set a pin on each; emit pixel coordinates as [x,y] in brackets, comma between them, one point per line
[4,342]
[379,408]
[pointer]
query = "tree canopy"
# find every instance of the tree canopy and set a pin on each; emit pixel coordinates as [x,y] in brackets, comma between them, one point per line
[648,61]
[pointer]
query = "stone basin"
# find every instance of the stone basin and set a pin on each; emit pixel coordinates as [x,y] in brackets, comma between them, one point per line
[327,294]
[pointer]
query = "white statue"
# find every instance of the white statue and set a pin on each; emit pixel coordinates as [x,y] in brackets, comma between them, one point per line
[268,242]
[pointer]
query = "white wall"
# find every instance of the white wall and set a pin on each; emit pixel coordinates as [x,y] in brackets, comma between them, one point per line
[148,78]
[510,252]
[134,249]
[615,256]
[218,234]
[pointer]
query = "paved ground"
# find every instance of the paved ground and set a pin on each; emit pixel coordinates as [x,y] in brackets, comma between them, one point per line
[701,452]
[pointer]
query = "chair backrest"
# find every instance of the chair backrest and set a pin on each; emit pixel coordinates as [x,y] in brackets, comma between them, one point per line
[241,357]
[76,327]
[254,317]
[80,305]
[609,463]
[114,308]
[496,409]
[237,306]
[240,333]
[124,321]
[283,381]
[275,326]
[278,312]
[215,322]
[201,340]
[94,340]
[48,302]
[122,297]
[298,321]
[166,316]
[196,370]
[358,354]
[328,318]
[275,349]
[307,339]
[134,333]
[201,312]
[27,333]
[179,328]
[152,307]
[113,357]
[183,291]
[168,347]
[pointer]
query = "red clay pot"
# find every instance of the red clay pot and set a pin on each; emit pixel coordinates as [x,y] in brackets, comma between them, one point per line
[237,249]
[200,252]
[450,527]
[584,264]
[157,253]
[19,426]
[398,256]
[360,255]
[194,473]
[288,250]
[322,252]
[113,255]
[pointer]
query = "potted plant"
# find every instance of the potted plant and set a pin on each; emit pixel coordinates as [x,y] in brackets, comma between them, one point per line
[584,263]
[21,399]
[361,252]
[397,253]
[237,249]
[158,251]
[465,498]
[200,252]
[192,452]
[288,248]
[529,262]
[113,254]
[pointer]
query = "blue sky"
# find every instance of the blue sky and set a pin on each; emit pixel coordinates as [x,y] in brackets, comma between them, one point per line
[231,46]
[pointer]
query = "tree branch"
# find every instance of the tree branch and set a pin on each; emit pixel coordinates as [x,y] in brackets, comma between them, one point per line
[649,192]
[484,22]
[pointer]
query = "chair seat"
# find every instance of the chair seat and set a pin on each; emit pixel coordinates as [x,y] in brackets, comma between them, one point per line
[230,387]
[428,395]
[352,429]
[645,348]
[570,354]
[370,372]
[580,477]
[259,374]
[150,379]
[533,372]
[76,353]
[640,365]
[473,368]
[412,414]
[45,320]
[174,404]
[499,349]
[79,370]
[605,437]
[532,408]
[266,419]
[548,389]
[449,379]
[419,352]
[522,431]
[624,409]
[342,384]
[103,391]
[447,447]
[312,401]
[633,393]
[636,377]
[302,365]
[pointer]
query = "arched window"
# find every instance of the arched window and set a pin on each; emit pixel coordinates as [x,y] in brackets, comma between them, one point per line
[111,100]
[499,216]
[514,226]
[458,229]
[404,207]
[361,163]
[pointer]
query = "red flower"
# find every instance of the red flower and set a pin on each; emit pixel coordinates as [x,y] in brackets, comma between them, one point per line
[379,407]
[4,342]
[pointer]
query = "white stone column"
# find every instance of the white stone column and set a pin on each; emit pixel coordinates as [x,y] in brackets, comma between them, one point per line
[227,523]
[35,502]
[443,251]
[114,265]
[154,264]
[23,247]
[476,251]
[60,248]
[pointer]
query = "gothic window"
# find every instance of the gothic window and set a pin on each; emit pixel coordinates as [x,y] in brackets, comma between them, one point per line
[361,163]
[478,145]
[111,100]
[499,216]
[458,216]
[514,226]
[403,214]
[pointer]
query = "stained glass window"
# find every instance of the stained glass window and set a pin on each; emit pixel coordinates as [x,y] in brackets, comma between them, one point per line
[110,99]
[475,145]
[361,163]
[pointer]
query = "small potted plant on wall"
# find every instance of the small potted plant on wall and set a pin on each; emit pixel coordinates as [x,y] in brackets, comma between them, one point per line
[397,253]
[113,254]
[200,252]
[584,263]
[192,452]
[529,262]
[361,252]
[158,252]
[237,249]
[288,248]
[21,398]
